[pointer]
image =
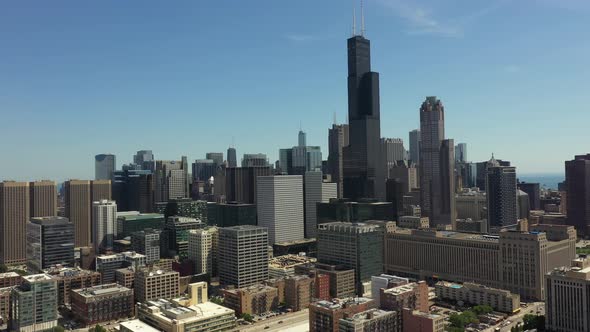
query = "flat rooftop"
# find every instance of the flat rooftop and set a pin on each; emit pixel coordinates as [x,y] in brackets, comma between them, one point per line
[339,303]
[37,277]
[166,311]
[101,290]
[8,275]
[140,216]
[138,326]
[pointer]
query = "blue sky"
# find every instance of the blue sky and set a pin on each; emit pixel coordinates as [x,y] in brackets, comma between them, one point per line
[78,78]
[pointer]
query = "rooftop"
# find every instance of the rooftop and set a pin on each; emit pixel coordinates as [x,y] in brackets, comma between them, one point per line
[336,304]
[289,261]
[101,290]
[138,326]
[8,275]
[400,289]
[37,277]
[175,314]
[129,217]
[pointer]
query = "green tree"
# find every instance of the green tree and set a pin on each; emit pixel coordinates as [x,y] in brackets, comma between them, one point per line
[99,328]
[482,309]
[3,268]
[58,329]
[247,317]
[534,322]
[455,329]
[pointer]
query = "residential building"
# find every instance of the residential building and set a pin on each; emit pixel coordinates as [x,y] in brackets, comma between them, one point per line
[476,294]
[104,217]
[69,279]
[325,316]
[169,317]
[9,279]
[483,259]
[243,255]
[568,297]
[147,242]
[153,285]
[409,295]
[501,194]
[50,242]
[384,281]
[200,250]
[33,304]
[340,281]
[5,304]
[43,198]
[104,166]
[315,191]
[298,292]
[370,320]
[280,207]
[418,321]
[108,264]
[254,300]
[357,246]
[14,215]
[129,224]
[102,303]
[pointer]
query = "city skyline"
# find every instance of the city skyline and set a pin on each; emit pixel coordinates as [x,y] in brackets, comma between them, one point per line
[52,85]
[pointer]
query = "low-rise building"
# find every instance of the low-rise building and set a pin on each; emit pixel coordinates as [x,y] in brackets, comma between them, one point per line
[125,277]
[341,281]
[568,297]
[476,294]
[418,321]
[284,266]
[135,325]
[472,226]
[413,295]
[9,279]
[298,291]
[325,316]
[253,300]
[370,320]
[33,304]
[5,304]
[413,222]
[153,285]
[108,264]
[168,317]
[69,279]
[102,303]
[385,281]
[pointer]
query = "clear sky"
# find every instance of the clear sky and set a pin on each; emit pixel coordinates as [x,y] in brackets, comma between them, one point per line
[78,78]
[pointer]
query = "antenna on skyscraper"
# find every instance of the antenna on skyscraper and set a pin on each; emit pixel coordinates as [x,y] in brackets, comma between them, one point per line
[362,19]
[353,18]
[335,122]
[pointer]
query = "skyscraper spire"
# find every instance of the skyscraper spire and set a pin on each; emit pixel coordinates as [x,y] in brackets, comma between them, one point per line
[362,19]
[353,19]
[335,122]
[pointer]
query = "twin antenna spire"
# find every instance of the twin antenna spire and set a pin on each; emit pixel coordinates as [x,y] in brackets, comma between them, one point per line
[354,19]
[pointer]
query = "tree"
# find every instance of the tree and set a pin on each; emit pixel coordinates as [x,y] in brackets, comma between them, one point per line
[99,328]
[58,329]
[247,317]
[534,322]
[3,268]
[482,309]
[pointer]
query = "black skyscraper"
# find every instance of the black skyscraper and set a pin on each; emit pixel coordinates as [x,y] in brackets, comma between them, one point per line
[501,194]
[232,161]
[364,176]
[577,179]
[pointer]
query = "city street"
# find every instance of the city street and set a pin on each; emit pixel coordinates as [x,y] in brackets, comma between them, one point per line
[292,322]
[515,319]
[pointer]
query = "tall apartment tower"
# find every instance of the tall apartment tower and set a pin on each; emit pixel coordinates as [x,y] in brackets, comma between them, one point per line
[337,140]
[364,174]
[171,180]
[461,153]
[415,146]
[315,191]
[232,160]
[34,304]
[104,166]
[436,164]
[501,194]
[104,219]
[243,255]
[43,199]
[577,179]
[280,207]
[14,215]
[200,250]
[357,246]
[145,159]
[568,297]
[50,242]
[79,195]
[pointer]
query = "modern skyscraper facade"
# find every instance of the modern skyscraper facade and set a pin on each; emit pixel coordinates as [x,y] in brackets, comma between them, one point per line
[232,160]
[204,169]
[104,166]
[171,180]
[315,191]
[200,250]
[43,199]
[133,190]
[254,160]
[364,175]
[280,208]
[577,179]
[240,183]
[337,140]
[50,242]
[501,194]
[243,255]
[446,212]
[415,146]
[461,153]
[104,221]
[14,215]
[145,159]
[393,151]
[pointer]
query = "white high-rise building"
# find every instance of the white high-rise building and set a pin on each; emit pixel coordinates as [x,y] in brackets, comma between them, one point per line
[280,207]
[200,250]
[104,218]
[316,191]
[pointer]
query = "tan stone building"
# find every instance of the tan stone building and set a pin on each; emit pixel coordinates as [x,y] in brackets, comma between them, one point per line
[79,195]
[475,294]
[154,285]
[69,279]
[298,292]
[14,214]
[43,197]
[253,300]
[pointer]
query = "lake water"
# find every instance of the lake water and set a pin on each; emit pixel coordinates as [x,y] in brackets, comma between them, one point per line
[549,181]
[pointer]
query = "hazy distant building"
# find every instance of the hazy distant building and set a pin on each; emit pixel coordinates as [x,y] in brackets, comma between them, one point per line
[393,151]
[50,242]
[254,160]
[243,255]
[43,199]
[104,166]
[280,207]
[568,297]
[171,180]
[204,169]
[240,183]
[145,159]
[217,157]
[357,246]
[523,207]
[302,138]
[363,172]
[104,221]
[33,304]
[232,160]
[337,140]
[315,191]
[501,194]
[461,153]
[406,173]
[534,193]
[133,190]
[14,215]
[415,146]
[577,179]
